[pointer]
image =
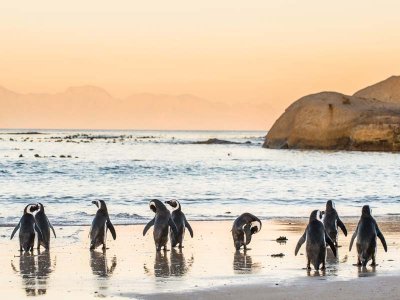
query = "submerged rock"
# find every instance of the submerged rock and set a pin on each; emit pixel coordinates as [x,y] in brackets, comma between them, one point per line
[215,142]
[334,121]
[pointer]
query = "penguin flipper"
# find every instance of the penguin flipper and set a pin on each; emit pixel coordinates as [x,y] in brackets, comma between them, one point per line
[52,228]
[147,227]
[110,226]
[352,238]
[381,237]
[300,242]
[187,225]
[173,226]
[15,230]
[341,225]
[330,243]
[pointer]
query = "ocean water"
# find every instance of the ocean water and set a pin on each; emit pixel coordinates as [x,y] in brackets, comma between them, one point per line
[212,182]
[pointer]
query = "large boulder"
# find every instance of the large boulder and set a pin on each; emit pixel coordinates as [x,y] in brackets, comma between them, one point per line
[333,121]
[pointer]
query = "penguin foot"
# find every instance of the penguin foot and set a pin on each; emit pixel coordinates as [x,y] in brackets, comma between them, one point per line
[374,265]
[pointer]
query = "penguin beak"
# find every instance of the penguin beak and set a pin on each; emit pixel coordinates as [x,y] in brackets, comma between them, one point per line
[95,202]
[168,202]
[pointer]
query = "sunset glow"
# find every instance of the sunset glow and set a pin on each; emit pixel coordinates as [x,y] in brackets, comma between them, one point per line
[267,53]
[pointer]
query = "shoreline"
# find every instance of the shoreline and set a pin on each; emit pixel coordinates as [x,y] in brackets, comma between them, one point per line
[384,287]
[287,220]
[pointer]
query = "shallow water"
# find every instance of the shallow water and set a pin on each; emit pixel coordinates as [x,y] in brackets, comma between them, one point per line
[128,168]
[132,268]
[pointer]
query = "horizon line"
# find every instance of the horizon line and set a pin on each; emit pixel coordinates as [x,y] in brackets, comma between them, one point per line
[102,129]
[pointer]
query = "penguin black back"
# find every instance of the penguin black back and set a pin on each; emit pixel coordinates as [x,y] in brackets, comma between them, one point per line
[44,224]
[179,218]
[27,227]
[101,223]
[243,228]
[316,239]
[162,221]
[366,232]
[332,221]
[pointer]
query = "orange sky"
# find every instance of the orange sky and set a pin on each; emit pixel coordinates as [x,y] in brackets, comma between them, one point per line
[234,51]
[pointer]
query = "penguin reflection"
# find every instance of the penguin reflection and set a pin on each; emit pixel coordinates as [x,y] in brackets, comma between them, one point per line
[177,266]
[161,264]
[243,263]
[34,276]
[99,264]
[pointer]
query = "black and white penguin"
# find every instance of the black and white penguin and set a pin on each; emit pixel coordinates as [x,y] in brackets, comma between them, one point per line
[366,232]
[162,221]
[44,224]
[100,224]
[331,222]
[180,222]
[316,238]
[27,227]
[243,228]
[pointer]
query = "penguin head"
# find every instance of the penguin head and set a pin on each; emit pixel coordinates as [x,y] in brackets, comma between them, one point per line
[31,208]
[100,204]
[157,205]
[254,229]
[250,223]
[316,215]
[40,207]
[330,205]
[174,203]
[366,210]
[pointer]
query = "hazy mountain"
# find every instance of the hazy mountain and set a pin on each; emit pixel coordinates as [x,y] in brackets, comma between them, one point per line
[93,107]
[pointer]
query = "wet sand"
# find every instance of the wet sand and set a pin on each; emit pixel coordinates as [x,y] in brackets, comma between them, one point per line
[208,266]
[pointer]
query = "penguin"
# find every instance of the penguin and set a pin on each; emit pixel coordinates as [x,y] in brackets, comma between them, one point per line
[243,229]
[316,238]
[161,221]
[332,221]
[366,232]
[100,224]
[180,222]
[27,227]
[44,224]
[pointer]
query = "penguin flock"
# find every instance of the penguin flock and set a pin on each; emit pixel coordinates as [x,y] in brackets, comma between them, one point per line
[320,232]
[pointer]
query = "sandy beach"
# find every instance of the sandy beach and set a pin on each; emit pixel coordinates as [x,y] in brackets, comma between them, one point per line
[207,267]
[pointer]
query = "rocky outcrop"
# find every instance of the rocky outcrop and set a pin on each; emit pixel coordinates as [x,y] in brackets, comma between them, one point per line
[333,121]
